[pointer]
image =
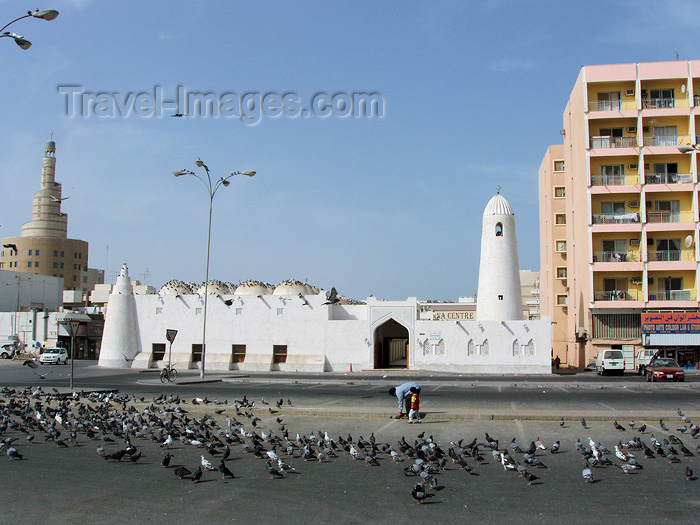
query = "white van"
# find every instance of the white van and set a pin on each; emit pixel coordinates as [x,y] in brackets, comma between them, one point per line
[610,361]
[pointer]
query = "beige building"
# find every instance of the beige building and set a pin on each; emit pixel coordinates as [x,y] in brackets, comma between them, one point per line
[619,214]
[43,247]
[530,292]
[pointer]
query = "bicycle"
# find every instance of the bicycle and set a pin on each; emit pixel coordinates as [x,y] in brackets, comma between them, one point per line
[168,374]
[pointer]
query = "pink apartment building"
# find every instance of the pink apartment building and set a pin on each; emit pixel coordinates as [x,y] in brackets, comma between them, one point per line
[619,215]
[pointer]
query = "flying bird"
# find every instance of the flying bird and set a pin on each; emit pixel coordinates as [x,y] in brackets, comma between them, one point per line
[332,297]
[58,199]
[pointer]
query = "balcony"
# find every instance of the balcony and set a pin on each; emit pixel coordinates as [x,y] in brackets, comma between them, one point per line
[668,178]
[611,105]
[625,218]
[666,140]
[613,180]
[669,216]
[670,255]
[673,295]
[616,257]
[605,142]
[618,295]
[658,103]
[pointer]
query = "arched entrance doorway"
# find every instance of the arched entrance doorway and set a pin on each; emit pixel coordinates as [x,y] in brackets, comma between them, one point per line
[391,345]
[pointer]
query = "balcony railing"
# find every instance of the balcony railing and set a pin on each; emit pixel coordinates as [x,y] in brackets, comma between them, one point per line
[618,295]
[626,218]
[612,180]
[670,255]
[616,257]
[668,178]
[658,103]
[613,142]
[666,140]
[673,295]
[669,216]
[611,105]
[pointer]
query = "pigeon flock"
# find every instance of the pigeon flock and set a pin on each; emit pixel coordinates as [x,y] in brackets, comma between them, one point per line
[196,443]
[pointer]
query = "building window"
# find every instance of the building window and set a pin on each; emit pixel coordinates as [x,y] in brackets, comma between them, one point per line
[516,348]
[197,353]
[560,246]
[198,311]
[74,278]
[558,165]
[55,253]
[471,347]
[499,230]
[36,252]
[238,353]
[485,348]
[159,310]
[562,272]
[426,347]
[36,264]
[84,279]
[279,354]
[55,265]
[30,252]
[280,311]
[239,311]
[530,347]
[562,300]
[61,254]
[80,256]
[29,264]
[560,218]
[559,192]
[158,350]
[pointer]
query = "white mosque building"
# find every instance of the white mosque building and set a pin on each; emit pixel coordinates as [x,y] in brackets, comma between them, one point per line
[295,327]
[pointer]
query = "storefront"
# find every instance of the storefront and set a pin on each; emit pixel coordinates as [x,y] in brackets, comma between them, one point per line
[675,335]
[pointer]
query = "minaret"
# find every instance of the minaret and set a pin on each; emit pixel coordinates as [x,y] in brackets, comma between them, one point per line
[47,219]
[499,297]
[120,337]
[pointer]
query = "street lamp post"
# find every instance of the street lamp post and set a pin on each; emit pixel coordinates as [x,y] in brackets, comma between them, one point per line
[44,14]
[211,189]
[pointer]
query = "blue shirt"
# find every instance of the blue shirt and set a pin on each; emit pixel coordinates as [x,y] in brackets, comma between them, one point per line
[403,391]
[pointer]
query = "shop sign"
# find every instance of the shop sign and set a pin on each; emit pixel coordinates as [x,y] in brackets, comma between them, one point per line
[454,315]
[671,323]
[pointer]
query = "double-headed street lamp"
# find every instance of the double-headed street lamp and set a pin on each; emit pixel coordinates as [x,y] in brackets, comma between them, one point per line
[211,188]
[44,14]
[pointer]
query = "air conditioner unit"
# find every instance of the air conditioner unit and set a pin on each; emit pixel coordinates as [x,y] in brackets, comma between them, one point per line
[634,204]
[646,129]
[633,166]
[631,129]
[634,242]
[629,92]
[636,280]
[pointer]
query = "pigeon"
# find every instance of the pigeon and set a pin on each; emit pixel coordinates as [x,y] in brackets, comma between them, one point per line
[689,474]
[197,475]
[181,472]
[206,464]
[14,454]
[273,472]
[168,441]
[555,447]
[332,297]
[419,493]
[225,470]
[587,474]
[583,423]
[529,477]
[135,457]
[618,426]
[561,423]
[662,424]
[642,429]
[165,462]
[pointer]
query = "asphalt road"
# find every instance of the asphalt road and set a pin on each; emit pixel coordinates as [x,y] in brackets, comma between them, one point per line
[62,485]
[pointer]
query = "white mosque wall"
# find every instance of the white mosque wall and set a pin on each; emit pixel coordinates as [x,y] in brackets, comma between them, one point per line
[336,337]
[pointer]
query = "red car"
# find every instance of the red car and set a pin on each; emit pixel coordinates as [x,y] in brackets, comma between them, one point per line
[663,369]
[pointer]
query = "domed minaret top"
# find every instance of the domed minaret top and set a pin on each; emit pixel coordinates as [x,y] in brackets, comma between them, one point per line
[498,205]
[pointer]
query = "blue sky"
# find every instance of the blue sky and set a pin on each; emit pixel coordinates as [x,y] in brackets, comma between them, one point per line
[473,93]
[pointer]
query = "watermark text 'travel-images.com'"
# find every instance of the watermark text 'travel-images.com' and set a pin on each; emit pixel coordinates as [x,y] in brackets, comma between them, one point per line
[249,107]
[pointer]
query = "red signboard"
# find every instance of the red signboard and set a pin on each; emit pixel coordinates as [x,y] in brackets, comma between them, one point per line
[671,322]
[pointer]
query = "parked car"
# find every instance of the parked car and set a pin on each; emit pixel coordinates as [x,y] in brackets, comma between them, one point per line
[644,356]
[663,369]
[610,361]
[56,356]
